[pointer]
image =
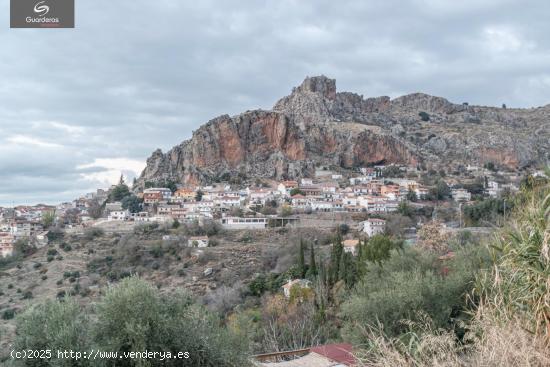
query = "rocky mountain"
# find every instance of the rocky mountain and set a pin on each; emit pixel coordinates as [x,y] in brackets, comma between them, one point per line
[316,125]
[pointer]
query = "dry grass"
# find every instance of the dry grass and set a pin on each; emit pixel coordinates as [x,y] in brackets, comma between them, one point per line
[507,344]
[489,343]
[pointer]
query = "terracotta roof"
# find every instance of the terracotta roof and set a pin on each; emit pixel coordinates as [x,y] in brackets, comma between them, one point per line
[341,353]
[351,243]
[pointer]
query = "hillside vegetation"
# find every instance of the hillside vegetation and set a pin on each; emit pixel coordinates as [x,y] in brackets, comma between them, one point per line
[510,304]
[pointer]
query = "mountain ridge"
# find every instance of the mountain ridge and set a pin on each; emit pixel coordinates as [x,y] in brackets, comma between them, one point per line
[317,125]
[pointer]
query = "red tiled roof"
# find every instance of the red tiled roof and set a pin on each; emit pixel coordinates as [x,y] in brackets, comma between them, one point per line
[341,353]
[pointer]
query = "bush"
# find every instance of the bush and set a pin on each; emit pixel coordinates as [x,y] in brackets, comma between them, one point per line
[144,229]
[52,252]
[66,247]
[8,314]
[154,322]
[489,210]
[411,284]
[344,229]
[51,325]
[93,232]
[424,116]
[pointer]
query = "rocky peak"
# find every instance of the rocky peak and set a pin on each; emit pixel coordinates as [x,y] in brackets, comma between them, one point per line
[322,85]
[423,102]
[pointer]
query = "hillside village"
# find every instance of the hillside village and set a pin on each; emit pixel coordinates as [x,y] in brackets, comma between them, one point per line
[374,191]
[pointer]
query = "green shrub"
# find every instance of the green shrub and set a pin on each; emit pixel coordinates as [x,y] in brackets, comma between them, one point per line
[424,116]
[53,325]
[52,252]
[8,314]
[410,284]
[156,322]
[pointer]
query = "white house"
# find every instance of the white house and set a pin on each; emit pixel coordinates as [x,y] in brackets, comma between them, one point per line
[6,244]
[493,189]
[118,215]
[461,195]
[21,229]
[299,201]
[260,196]
[421,192]
[244,223]
[374,226]
[140,217]
[228,201]
[166,209]
[285,187]
[351,246]
[163,191]
[360,180]
[198,241]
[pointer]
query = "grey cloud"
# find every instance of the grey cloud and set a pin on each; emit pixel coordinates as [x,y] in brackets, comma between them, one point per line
[137,75]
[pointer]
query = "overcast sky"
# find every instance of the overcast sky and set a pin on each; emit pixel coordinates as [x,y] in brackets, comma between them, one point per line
[79,106]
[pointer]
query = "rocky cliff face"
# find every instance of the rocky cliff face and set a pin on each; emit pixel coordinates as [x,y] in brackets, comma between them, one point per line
[316,125]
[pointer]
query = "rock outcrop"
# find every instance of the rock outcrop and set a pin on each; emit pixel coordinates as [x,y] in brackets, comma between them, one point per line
[316,125]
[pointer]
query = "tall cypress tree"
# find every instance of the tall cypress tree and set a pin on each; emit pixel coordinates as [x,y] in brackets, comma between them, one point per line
[301,259]
[312,269]
[360,261]
[343,267]
[322,271]
[335,258]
